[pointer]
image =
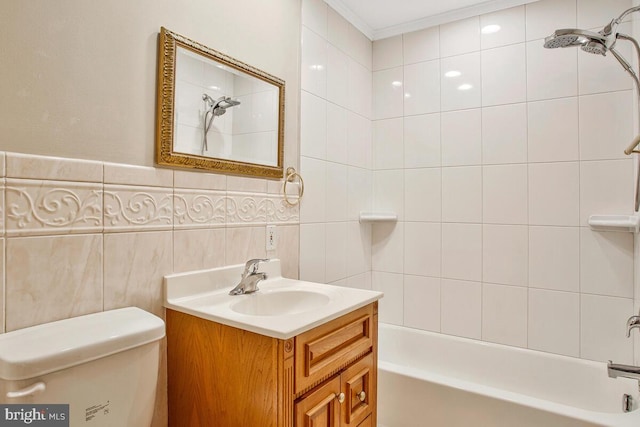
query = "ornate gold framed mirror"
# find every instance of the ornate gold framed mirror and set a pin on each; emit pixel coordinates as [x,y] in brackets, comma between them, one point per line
[216,113]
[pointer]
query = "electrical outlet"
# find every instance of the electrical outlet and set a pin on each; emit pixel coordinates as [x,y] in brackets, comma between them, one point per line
[272,238]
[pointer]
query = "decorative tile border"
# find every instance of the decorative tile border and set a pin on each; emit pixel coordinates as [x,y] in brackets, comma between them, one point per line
[128,198]
[39,207]
[128,208]
[258,209]
[197,208]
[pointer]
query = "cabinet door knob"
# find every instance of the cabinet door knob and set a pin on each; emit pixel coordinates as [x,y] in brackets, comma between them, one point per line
[340,397]
[362,396]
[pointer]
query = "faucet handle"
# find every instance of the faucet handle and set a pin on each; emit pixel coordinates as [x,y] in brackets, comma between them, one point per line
[251,266]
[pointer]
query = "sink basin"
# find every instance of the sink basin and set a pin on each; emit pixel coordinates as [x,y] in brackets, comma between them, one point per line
[282,308]
[282,302]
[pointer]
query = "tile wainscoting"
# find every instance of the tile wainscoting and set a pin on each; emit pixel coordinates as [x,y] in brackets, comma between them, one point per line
[79,236]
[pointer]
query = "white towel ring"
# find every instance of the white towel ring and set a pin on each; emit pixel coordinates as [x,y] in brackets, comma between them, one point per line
[291,175]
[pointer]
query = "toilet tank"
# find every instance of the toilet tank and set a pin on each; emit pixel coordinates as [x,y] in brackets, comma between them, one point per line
[103,365]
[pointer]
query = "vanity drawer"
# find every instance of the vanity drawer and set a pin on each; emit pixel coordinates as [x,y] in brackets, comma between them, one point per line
[328,348]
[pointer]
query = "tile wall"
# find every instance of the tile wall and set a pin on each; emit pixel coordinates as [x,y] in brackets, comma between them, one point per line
[494,151]
[77,237]
[335,147]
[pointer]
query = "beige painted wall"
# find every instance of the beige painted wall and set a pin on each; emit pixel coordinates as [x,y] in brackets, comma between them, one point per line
[78,77]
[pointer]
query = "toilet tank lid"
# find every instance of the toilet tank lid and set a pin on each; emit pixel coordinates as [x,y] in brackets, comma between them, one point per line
[39,350]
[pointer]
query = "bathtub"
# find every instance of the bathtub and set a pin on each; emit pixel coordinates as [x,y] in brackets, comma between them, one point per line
[428,379]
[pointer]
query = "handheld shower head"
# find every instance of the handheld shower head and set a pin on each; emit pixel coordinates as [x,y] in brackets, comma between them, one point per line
[594,47]
[568,37]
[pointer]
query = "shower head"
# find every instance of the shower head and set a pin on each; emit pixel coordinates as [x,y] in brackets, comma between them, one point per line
[568,37]
[219,106]
[595,47]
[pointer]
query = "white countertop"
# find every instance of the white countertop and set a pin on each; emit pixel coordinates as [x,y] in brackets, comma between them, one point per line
[205,294]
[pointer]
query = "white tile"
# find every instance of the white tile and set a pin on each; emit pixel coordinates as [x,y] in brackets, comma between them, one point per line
[504,75]
[462,194]
[504,194]
[505,250]
[314,16]
[29,166]
[337,76]
[313,126]
[336,192]
[422,88]
[606,187]
[389,99]
[504,134]
[387,245]
[553,130]
[359,281]
[461,137]
[422,303]
[554,258]
[602,328]
[461,308]
[510,27]
[423,45]
[313,205]
[606,125]
[504,314]
[462,251]
[560,81]
[387,53]
[358,248]
[337,125]
[554,190]
[597,14]
[359,47]
[554,322]
[464,89]
[422,141]
[606,263]
[391,306]
[360,192]
[359,90]
[460,37]
[337,30]
[336,251]
[422,248]
[388,145]
[358,141]
[388,191]
[312,252]
[423,194]
[313,73]
[598,74]
[545,16]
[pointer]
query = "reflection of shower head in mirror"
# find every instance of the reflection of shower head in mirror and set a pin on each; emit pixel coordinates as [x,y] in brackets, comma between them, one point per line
[219,106]
[214,108]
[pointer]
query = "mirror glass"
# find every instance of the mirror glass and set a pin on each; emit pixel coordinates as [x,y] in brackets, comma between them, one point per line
[217,113]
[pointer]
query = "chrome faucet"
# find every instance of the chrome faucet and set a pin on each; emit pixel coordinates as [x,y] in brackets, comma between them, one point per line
[250,278]
[627,371]
[632,323]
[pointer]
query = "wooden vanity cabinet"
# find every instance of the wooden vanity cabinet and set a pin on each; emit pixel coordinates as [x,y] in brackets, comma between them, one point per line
[223,376]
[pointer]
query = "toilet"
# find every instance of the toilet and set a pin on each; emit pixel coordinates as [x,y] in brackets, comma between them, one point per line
[103,365]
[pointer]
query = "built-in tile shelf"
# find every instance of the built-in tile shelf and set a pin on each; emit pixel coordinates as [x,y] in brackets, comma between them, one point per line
[628,223]
[378,217]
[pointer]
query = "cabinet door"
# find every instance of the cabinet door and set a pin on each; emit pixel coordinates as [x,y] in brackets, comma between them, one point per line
[321,407]
[367,422]
[358,386]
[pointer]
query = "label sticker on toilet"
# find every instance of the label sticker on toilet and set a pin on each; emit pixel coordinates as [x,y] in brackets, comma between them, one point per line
[14,415]
[99,410]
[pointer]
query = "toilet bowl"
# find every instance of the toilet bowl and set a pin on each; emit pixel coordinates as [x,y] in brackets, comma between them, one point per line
[103,365]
